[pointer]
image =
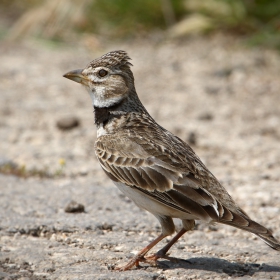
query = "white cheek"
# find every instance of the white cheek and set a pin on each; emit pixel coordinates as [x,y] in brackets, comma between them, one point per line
[98,99]
[96,95]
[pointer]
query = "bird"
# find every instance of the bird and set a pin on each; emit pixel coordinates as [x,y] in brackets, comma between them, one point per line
[157,170]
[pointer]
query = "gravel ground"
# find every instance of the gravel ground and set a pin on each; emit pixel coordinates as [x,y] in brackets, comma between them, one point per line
[214,93]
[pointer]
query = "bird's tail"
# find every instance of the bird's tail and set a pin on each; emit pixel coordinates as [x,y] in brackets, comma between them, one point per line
[270,241]
[242,221]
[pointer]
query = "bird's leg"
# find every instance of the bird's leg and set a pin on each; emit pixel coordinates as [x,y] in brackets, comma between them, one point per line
[161,254]
[187,225]
[140,256]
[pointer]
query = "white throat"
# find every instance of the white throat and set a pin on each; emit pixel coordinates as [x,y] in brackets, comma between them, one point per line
[99,98]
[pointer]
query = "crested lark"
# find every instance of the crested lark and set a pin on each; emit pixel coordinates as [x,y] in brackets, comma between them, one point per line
[150,165]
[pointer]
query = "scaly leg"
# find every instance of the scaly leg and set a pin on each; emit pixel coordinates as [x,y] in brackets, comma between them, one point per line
[161,254]
[140,256]
[187,225]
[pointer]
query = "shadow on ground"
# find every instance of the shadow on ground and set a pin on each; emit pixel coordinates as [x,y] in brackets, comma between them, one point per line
[219,266]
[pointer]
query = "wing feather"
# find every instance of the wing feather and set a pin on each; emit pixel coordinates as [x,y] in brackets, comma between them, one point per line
[146,157]
[160,178]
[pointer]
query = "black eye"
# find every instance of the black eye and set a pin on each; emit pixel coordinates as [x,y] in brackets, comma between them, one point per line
[102,73]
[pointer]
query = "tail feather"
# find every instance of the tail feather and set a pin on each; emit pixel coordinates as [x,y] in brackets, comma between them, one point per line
[270,241]
[255,228]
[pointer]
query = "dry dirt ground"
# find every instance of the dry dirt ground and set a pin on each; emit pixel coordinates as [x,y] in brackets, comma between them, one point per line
[215,93]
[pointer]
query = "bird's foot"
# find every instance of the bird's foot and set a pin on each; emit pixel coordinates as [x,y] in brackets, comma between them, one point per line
[152,259]
[133,262]
[159,255]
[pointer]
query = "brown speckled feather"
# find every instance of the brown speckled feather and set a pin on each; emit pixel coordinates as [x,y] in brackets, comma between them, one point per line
[157,160]
[150,165]
[145,156]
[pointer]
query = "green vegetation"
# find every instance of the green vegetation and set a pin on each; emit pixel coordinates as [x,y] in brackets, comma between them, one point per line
[11,168]
[120,18]
[258,21]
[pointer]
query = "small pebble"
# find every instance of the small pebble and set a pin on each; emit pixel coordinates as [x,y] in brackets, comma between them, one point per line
[74,207]
[206,116]
[67,123]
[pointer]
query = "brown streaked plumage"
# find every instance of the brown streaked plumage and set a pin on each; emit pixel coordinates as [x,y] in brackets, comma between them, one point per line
[153,167]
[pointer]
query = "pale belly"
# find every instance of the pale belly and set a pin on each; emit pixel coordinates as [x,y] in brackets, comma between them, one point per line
[151,205]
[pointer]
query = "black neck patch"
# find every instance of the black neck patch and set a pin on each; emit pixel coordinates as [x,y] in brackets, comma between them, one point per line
[103,115]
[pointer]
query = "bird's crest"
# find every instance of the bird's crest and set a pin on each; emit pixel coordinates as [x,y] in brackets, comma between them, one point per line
[111,60]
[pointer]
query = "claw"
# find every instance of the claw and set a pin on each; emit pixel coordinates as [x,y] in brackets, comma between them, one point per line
[133,262]
[159,255]
[152,259]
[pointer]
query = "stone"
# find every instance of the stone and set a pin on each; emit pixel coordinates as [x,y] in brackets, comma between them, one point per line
[67,123]
[74,207]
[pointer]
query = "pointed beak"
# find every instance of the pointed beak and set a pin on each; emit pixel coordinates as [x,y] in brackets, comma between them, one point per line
[77,76]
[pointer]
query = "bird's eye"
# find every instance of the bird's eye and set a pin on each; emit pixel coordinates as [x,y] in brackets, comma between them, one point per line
[102,73]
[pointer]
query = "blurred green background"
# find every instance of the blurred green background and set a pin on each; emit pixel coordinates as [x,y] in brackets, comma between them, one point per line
[255,21]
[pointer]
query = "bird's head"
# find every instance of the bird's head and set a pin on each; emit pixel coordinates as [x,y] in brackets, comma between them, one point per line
[108,79]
